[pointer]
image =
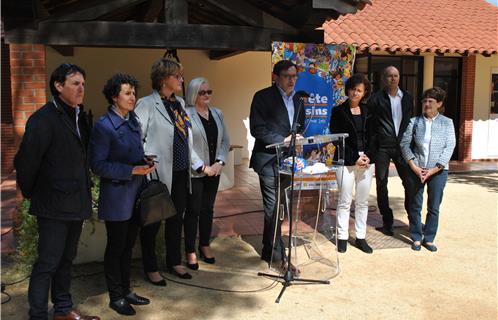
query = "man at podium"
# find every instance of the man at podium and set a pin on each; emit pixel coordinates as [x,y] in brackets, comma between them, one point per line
[274,111]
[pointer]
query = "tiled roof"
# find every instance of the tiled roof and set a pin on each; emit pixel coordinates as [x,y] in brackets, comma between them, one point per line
[461,26]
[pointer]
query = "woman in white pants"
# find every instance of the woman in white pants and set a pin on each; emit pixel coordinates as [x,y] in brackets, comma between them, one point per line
[356,175]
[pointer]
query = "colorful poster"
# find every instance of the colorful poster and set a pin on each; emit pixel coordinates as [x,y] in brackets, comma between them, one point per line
[322,72]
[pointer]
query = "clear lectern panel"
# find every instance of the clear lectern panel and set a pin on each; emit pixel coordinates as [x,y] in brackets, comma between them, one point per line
[314,228]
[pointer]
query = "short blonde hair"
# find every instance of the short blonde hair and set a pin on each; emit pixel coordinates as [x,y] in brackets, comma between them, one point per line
[161,69]
[193,89]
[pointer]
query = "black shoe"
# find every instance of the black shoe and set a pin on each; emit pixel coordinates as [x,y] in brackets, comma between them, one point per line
[160,283]
[185,275]
[211,260]
[122,306]
[363,245]
[193,266]
[342,245]
[388,231]
[135,299]
[430,247]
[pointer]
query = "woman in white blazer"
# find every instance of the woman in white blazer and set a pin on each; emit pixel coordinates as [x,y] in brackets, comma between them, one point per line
[167,134]
[427,146]
[209,154]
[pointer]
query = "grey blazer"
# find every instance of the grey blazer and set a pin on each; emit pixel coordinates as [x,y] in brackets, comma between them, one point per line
[157,132]
[441,145]
[200,150]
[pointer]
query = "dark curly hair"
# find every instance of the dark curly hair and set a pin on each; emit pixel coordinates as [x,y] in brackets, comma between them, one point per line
[357,79]
[113,85]
[61,73]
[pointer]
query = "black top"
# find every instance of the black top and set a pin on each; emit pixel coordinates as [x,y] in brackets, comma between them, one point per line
[180,141]
[212,135]
[360,132]
[52,163]
[384,134]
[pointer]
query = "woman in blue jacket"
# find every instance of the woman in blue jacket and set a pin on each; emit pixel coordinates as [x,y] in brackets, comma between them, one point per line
[427,146]
[117,156]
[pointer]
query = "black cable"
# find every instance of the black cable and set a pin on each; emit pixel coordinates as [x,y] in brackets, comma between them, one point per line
[237,214]
[8,297]
[269,287]
[8,231]
[15,282]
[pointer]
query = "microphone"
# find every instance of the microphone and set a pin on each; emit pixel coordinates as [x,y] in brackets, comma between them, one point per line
[302,94]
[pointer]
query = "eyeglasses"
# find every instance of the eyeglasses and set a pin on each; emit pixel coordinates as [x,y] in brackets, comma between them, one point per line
[204,92]
[177,76]
[289,76]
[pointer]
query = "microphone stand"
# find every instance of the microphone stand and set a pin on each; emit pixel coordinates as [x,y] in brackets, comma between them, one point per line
[289,276]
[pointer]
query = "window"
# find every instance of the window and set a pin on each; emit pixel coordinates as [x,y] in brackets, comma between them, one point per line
[410,68]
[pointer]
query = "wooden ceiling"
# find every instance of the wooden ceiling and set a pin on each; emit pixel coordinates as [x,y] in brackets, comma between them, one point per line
[222,26]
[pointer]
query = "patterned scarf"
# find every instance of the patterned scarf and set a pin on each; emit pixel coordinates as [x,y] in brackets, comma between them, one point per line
[182,121]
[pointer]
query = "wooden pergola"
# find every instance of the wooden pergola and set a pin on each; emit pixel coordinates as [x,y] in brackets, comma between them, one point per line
[224,27]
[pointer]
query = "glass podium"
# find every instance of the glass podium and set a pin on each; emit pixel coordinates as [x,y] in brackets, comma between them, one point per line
[314,227]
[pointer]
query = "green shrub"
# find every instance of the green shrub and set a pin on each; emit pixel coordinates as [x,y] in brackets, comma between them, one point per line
[27,229]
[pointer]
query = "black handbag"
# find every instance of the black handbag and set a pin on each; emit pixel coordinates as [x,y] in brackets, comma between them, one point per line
[154,202]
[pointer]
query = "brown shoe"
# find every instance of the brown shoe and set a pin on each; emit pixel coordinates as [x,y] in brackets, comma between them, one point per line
[74,315]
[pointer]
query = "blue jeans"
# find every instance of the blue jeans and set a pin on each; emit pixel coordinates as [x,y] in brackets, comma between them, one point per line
[435,187]
[57,246]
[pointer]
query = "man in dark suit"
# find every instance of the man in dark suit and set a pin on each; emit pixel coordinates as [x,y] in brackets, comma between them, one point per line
[391,109]
[273,111]
[53,172]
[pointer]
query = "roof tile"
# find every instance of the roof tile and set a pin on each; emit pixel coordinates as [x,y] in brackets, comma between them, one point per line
[428,25]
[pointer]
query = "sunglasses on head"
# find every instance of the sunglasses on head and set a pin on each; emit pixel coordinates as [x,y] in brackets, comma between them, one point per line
[204,92]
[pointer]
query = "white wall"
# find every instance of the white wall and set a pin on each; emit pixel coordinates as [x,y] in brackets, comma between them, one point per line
[234,79]
[485,125]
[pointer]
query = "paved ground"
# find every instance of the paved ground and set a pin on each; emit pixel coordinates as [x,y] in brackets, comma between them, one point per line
[457,282]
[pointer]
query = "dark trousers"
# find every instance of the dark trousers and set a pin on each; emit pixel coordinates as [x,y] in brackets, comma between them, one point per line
[200,211]
[172,227]
[57,246]
[435,188]
[272,223]
[382,161]
[121,237]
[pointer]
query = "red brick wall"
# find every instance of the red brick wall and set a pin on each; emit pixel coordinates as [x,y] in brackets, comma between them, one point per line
[8,138]
[28,82]
[467,109]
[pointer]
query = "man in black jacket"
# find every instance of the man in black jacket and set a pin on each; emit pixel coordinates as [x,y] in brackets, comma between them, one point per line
[391,109]
[52,171]
[273,111]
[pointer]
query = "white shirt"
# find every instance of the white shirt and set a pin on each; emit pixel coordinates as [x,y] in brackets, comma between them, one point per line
[396,109]
[289,104]
[427,138]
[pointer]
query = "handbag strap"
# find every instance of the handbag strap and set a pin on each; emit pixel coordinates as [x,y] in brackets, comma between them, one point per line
[157,175]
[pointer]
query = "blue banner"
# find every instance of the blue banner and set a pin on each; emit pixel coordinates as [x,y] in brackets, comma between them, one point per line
[322,72]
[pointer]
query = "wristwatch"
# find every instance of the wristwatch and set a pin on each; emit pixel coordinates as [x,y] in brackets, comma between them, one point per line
[220,162]
[439,166]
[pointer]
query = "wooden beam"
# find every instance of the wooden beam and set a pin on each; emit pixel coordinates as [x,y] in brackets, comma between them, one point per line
[146,35]
[252,15]
[342,6]
[82,11]
[65,51]
[176,11]
[222,54]
[151,11]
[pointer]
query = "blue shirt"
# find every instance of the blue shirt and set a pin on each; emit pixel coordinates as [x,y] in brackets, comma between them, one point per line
[289,104]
